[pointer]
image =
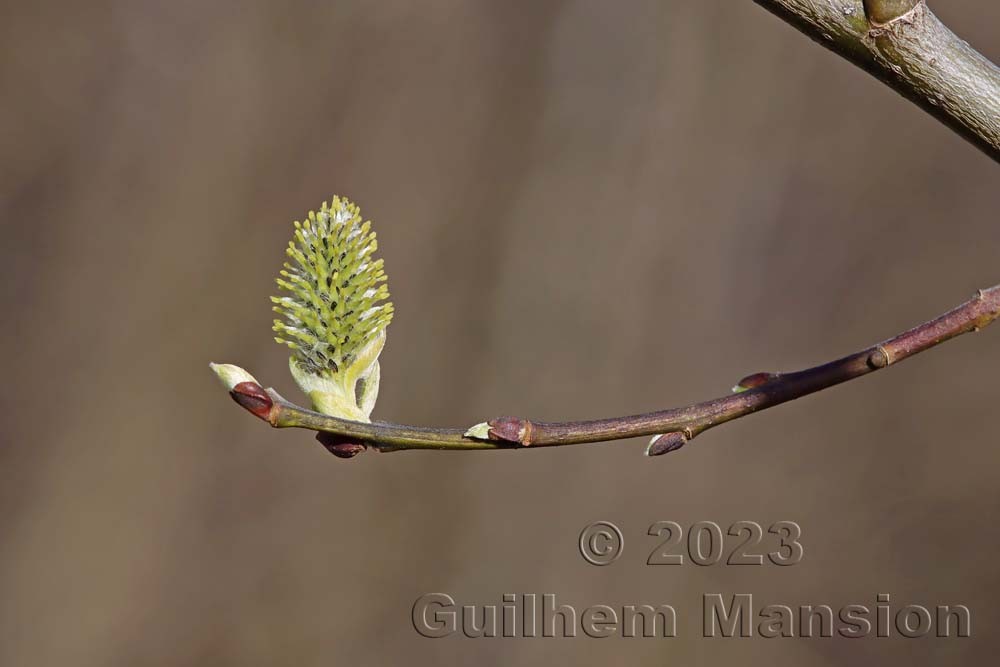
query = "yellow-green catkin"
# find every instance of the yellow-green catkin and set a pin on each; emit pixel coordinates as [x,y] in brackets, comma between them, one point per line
[334,310]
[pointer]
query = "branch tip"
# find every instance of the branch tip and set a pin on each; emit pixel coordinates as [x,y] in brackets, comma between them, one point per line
[231,375]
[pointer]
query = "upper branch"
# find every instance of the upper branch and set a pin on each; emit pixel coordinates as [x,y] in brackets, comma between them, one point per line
[680,424]
[904,45]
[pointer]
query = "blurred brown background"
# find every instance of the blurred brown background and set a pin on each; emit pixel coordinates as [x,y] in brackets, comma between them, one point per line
[585,209]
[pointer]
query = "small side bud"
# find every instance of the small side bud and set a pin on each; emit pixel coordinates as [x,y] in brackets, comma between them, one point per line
[339,447]
[754,381]
[884,12]
[665,443]
[503,429]
[878,358]
[510,429]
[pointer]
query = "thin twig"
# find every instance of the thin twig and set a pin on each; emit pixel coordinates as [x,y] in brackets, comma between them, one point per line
[904,45]
[679,424]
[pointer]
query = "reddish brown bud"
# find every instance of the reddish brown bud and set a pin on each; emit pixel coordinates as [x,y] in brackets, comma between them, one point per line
[666,443]
[252,397]
[755,380]
[511,429]
[339,446]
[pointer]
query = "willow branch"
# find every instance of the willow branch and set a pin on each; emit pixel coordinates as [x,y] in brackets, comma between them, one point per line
[677,425]
[904,45]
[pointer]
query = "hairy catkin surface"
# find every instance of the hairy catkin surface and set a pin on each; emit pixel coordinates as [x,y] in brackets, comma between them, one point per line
[334,291]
